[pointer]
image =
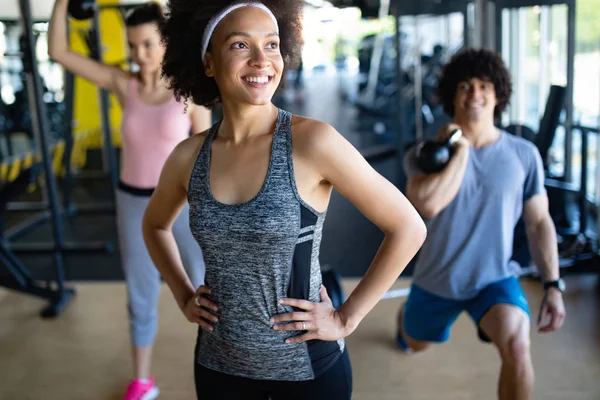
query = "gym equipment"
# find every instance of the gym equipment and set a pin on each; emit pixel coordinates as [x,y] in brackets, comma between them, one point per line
[569,204]
[86,9]
[58,295]
[14,166]
[582,253]
[57,146]
[521,131]
[91,38]
[396,101]
[433,156]
[550,120]
[20,279]
[82,9]
[507,14]
[331,281]
[68,204]
[560,193]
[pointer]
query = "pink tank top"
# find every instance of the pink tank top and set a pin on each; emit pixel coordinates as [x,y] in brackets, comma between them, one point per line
[148,135]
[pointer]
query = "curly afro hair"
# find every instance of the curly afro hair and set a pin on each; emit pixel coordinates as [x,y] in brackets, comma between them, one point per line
[472,63]
[183,66]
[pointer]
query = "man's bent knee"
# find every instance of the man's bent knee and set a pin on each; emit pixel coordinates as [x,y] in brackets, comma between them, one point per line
[516,350]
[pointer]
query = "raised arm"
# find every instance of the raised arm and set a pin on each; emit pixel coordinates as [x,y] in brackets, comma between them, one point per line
[99,74]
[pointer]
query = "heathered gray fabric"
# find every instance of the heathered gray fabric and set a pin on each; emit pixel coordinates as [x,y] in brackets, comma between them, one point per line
[248,250]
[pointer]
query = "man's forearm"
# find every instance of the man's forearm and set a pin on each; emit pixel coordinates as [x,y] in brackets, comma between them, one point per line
[544,248]
[431,193]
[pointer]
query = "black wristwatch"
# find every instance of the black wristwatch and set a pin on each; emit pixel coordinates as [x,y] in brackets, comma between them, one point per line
[558,284]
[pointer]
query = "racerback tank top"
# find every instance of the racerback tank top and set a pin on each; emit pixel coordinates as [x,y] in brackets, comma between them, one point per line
[257,253]
[149,133]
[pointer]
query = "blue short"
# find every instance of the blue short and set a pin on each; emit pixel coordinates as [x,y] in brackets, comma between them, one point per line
[428,317]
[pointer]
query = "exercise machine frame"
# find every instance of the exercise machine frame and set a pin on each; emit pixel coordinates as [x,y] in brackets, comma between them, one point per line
[69,208]
[20,280]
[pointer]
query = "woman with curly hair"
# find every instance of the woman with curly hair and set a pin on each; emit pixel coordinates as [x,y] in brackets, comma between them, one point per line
[154,122]
[258,184]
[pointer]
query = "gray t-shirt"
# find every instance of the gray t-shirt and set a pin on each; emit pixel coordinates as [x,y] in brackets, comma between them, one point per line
[469,243]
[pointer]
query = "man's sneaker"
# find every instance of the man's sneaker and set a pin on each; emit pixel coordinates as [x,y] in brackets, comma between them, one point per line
[401,343]
[138,390]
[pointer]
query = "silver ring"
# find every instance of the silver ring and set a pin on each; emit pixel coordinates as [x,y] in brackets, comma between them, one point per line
[303,325]
[197,300]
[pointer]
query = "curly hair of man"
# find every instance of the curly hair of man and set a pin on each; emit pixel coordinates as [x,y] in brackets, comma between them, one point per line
[475,63]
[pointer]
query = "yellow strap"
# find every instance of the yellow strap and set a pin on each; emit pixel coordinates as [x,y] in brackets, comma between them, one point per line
[15,169]
[3,171]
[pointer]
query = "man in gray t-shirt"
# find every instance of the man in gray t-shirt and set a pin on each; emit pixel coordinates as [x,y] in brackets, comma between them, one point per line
[471,209]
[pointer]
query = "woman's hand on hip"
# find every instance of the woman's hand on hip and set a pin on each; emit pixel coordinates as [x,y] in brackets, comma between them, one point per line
[319,321]
[200,310]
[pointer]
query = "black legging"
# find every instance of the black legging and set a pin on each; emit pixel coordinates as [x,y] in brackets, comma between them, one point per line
[333,384]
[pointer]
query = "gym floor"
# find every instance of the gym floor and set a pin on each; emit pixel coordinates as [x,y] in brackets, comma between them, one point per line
[82,354]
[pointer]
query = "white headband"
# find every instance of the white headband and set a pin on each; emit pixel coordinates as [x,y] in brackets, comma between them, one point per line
[214,21]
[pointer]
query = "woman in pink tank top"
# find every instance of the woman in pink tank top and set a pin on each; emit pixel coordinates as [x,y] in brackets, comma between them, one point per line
[149,133]
[153,124]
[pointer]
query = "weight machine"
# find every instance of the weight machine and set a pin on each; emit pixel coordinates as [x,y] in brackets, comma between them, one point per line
[19,278]
[569,202]
[93,41]
[69,207]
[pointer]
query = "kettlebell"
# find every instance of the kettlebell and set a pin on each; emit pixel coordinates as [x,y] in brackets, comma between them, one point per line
[82,9]
[433,156]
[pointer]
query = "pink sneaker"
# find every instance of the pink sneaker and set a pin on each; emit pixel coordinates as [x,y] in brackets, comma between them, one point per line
[142,391]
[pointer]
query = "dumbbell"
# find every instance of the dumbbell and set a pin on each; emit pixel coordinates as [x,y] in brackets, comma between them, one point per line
[433,156]
[82,9]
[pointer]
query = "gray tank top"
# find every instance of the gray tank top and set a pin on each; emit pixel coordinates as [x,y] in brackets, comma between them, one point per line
[257,253]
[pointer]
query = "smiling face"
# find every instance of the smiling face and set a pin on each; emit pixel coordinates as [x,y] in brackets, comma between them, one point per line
[475,100]
[145,47]
[244,57]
